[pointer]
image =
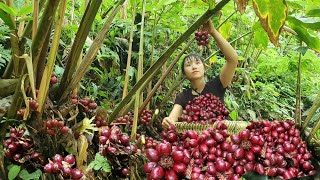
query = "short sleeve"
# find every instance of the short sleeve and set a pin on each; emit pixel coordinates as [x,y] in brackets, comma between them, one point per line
[179,99]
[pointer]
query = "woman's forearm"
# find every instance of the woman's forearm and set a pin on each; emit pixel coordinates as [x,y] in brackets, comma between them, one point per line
[225,47]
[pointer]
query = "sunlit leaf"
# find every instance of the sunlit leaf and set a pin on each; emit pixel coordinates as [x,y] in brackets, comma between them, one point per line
[305,22]
[306,36]
[25,10]
[272,15]
[260,36]
[24,174]
[225,30]
[233,115]
[6,19]
[313,13]
[294,5]
[10,10]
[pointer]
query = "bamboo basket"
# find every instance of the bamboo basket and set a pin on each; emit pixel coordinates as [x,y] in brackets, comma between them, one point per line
[234,127]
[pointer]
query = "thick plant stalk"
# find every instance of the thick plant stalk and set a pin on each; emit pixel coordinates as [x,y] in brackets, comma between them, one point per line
[43,54]
[35,18]
[152,52]
[43,30]
[28,28]
[126,79]
[139,95]
[163,77]
[89,57]
[313,109]
[77,46]
[45,81]
[163,58]
[298,93]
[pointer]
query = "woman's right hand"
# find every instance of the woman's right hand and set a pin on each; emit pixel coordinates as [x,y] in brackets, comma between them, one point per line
[167,121]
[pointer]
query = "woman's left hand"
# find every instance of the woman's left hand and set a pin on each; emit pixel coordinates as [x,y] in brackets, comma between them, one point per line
[208,26]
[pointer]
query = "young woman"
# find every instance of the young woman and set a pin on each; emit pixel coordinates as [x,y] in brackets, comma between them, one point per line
[193,69]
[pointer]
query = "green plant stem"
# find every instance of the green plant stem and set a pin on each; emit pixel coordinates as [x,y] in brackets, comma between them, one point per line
[77,46]
[313,109]
[43,30]
[89,57]
[313,131]
[163,58]
[28,28]
[298,93]
[177,83]
[152,53]
[139,95]
[45,81]
[126,79]
[163,77]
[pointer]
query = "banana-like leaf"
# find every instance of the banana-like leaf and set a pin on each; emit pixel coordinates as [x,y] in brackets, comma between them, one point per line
[10,10]
[260,38]
[225,29]
[82,152]
[310,38]
[272,15]
[6,19]
[305,22]
[314,13]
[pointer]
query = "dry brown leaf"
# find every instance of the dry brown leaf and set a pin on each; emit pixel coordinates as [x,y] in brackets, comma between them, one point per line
[82,152]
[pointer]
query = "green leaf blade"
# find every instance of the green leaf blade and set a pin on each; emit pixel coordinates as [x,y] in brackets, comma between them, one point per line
[13,172]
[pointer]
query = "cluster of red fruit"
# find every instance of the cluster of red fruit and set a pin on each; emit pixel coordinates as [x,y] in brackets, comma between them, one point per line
[53,79]
[99,121]
[125,119]
[116,145]
[33,104]
[63,165]
[88,104]
[19,148]
[54,126]
[202,38]
[269,148]
[150,143]
[204,109]
[284,154]
[146,117]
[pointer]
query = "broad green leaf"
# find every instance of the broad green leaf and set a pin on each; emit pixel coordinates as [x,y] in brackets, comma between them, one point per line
[192,11]
[233,115]
[302,50]
[294,5]
[272,15]
[313,13]
[4,16]
[242,5]
[161,3]
[305,22]
[25,10]
[260,38]
[13,172]
[225,29]
[24,174]
[255,176]
[304,35]
[10,10]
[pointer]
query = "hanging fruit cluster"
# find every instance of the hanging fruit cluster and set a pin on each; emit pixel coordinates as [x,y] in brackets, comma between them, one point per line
[202,37]
[204,109]
[20,147]
[100,121]
[65,166]
[54,126]
[117,147]
[146,117]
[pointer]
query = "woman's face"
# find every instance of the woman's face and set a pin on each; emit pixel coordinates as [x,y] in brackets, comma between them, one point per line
[193,68]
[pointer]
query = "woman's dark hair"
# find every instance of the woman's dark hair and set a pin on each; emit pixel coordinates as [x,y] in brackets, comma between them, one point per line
[191,55]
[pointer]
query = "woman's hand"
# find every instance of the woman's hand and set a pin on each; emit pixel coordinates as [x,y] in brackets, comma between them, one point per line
[167,121]
[208,26]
